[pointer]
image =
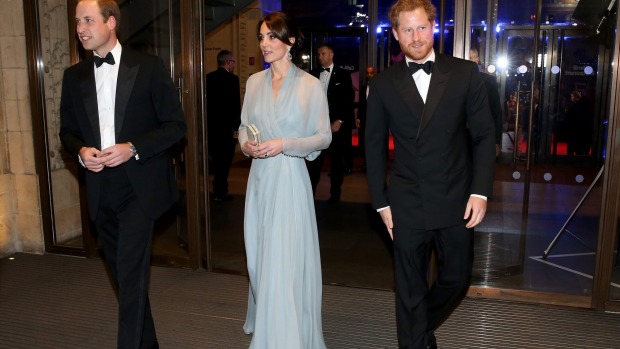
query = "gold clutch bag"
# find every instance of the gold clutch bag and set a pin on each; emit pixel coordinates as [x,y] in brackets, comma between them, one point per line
[253,133]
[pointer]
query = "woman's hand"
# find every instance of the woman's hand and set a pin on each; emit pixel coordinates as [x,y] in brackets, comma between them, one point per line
[269,148]
[250,148]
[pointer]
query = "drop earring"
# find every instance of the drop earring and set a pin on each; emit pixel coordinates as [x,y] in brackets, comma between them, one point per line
[289,56]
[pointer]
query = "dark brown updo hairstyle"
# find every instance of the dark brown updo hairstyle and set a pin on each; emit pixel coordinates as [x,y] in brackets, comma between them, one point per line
[283,28]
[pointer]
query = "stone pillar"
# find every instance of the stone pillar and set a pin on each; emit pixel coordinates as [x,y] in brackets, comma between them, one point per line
[20,214]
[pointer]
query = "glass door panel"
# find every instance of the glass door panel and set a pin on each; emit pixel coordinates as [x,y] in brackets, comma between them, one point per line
[67,217]
[348,230]
[154,27]
[499,243]
[148,26]
[614,291]
[542,229]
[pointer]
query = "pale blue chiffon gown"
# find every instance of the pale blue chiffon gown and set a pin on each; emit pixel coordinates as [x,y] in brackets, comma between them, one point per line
[281,241]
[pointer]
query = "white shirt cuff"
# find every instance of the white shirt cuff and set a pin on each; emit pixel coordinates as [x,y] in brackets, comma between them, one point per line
[479,196]
[80,160]
[475,195]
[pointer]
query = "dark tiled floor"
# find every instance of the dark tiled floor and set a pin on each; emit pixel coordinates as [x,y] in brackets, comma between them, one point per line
[53,302]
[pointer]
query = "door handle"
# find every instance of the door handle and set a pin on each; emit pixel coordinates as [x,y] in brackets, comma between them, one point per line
[180,85]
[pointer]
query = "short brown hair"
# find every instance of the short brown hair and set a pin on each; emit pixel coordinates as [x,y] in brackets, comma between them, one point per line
[109,8]
[410,5]
[327,46]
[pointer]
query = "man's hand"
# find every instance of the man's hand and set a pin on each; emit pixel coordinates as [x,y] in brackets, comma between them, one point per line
[476,208]
[115,155]
[336,126]
[90,159]
[386,216]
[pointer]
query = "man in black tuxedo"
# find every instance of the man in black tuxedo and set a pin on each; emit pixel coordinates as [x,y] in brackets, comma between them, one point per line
[439,183]
[490,82]
[119,115]
[340,98]
[224,118]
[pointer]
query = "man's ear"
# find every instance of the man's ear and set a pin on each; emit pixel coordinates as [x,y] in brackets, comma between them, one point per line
[112,23]
[395,33]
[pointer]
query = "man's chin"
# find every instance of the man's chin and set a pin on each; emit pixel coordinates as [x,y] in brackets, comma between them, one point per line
[417,55]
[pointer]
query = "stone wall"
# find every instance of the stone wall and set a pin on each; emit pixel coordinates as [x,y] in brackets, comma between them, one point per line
[20,213]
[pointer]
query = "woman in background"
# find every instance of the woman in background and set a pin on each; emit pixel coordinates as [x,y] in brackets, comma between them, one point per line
[289,109]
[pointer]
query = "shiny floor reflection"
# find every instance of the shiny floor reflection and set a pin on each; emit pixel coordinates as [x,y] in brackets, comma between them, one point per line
[356,250]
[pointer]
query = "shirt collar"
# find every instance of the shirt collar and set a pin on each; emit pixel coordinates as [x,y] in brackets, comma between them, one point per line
[116,52]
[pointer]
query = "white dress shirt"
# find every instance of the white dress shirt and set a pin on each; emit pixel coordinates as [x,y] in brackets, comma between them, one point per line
[422,80]
[105,80]
[325,76]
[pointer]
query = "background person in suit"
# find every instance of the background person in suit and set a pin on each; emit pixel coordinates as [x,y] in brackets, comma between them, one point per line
[337,84]
[439,183]
[360,121]
[224,118]
[579,125]
[118,116]
[490,82]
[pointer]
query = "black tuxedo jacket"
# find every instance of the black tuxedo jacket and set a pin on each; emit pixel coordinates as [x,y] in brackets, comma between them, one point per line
[435,169]
[148,113]
[223,104]
[340,96]
[496,106]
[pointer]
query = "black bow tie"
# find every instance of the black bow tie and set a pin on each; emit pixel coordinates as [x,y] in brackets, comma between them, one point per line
[426,66]
[108,59]
[325,69]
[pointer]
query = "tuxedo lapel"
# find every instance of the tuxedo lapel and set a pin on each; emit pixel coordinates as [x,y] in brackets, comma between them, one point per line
[437,87]
[125,83]
[333,79]
[89,96]
[405,85]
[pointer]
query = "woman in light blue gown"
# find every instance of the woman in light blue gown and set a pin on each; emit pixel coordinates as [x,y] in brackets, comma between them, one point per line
[289,109]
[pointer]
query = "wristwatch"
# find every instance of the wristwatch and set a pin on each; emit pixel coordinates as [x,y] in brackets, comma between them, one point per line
[133,150]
